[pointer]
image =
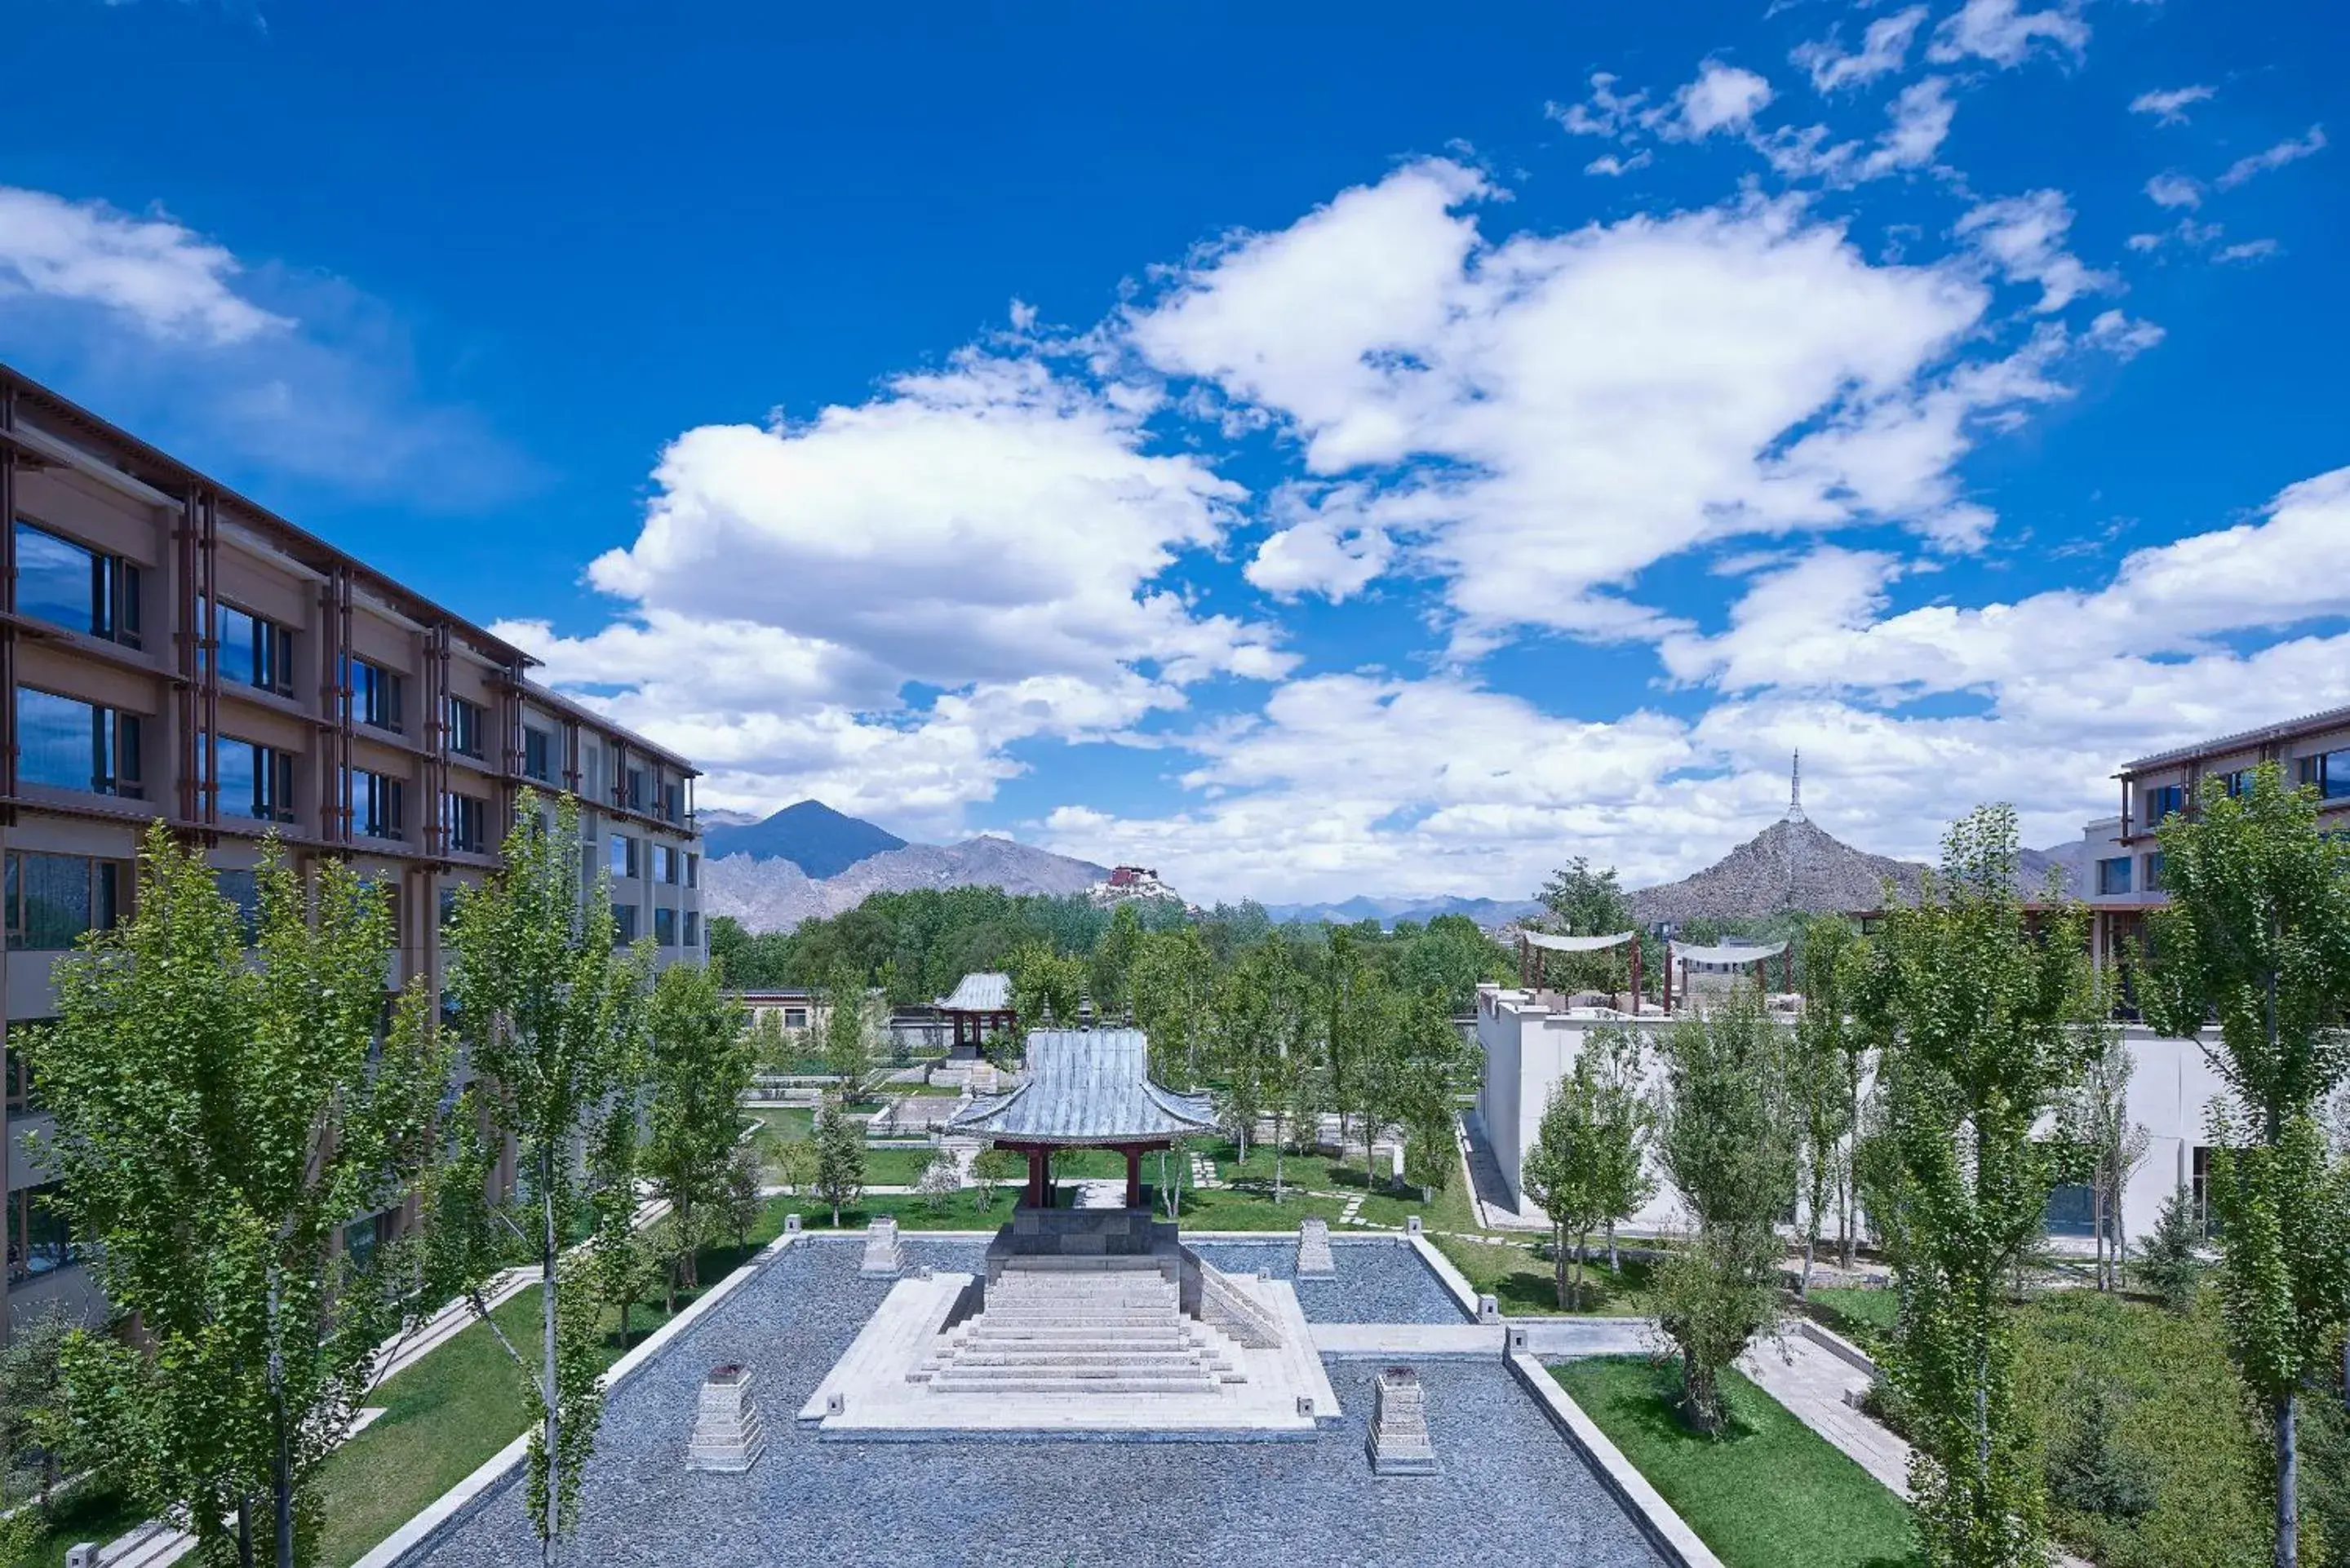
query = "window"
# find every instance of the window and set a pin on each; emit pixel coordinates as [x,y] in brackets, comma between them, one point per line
[379,804]
[67,743]
[2236,781]
[22,1100]
[74,587]
[2168,801]
[53,898]
[2113,876]
[2154,872]
[468,818]
[376,694]
[538,755]
[241,888]
[623,861]
[2328,773]
[465,720]
[40,1238]
[253,651]
[2071,1212]
[624,924]
[665,927]
[255,781]
[664,864]
[692,870]
[587,863]
[633,794]
[796,1018]
[693,927]
[673,798]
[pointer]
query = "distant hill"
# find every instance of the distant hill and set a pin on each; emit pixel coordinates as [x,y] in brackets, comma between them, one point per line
[1487,912]
[1790,865]
[813,836]
[774,892]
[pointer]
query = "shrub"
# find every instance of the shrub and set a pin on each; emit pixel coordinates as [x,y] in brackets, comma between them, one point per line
[2166,1263]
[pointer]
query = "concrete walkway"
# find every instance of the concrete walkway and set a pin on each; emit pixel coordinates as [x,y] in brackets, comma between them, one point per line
[1814,1385]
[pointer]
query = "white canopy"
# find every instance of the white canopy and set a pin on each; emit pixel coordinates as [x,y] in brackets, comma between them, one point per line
[1558,944]
[1685,952]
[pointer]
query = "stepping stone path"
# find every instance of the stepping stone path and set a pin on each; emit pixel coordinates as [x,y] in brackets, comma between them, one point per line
[1203,1173]
[1354,1207]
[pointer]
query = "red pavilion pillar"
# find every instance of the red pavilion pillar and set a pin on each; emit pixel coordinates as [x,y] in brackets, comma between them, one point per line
[1134,1176]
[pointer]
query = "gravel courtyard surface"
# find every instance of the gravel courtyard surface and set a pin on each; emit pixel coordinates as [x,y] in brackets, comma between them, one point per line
[1377,1282]
[1511,1490]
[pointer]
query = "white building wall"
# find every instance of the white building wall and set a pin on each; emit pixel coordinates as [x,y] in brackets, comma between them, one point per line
[1528,1048]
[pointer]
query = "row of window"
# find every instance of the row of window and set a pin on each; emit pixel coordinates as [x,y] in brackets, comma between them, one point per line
[628,856]
[667,923]
[2114,874]
[2326,773]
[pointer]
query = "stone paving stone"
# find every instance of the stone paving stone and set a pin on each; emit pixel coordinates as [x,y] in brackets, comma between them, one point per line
[848,1505]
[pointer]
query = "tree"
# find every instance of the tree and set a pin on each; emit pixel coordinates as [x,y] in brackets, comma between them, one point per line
[1565,1173]
[2097,1119]
[740,1199]
[795,1162]
[2257,934]
[1824,1070]
[1402,1078]
[1982,1014]
[220,1118]
[1727,1140]
[1113,962]
[2166,1262]
[839,1159]
[1591,904]
[847,1031]
[698,1071]
[772,1048]
[1626,1122]
[942,1178]
[1047,988]
[32,1383]
[1172,972]
[993,1167]
[551,1009]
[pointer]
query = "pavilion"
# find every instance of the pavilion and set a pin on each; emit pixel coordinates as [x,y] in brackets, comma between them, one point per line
[980,1007]
[1084,1088]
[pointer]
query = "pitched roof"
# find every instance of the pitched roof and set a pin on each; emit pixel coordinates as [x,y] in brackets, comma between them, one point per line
[1086,1085]
[981,994]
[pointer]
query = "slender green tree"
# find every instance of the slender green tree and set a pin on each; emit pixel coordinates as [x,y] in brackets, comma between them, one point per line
[1627,1124]
[1726,1139]
[1983,1018]
[32,1387]
[1112,970]
[1046,984]
[699,1069]
[1172,973]
[839,1159]
[847,1030]
[1566,1174]
[2098,1120]
[551,1008]
[2167,1261]
[2257,935]
[221,1117]
[1822,1071]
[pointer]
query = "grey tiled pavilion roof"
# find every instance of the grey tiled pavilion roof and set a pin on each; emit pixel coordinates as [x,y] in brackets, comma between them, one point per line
[1085,1087]
[981,994]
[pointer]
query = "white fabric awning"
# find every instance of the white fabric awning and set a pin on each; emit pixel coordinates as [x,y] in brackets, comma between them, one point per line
[1559,944]
[1685,952]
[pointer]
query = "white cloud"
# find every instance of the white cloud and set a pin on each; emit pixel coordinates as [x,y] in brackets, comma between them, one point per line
[2168,107]
[1611,165]
[1324,546]
[160,275]
[2003,33]
[2023,238]
[1883,47]
[1606,112]
[1919,122]
[2249,250]
[2175,191]
[2289,151]
[1722,98]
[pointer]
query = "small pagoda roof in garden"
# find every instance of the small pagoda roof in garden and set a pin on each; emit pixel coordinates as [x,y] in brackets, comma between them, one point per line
[1085,1087]
[981,994]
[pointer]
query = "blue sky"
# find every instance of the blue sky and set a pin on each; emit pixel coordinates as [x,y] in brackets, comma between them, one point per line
[1312,450]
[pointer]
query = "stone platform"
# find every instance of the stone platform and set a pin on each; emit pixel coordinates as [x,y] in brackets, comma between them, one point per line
[1096,1345]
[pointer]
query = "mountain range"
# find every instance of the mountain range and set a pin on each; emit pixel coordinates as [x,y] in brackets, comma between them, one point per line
[1486,913]
[808,861]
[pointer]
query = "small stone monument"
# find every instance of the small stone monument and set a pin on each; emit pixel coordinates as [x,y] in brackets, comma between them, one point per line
[82,1555]
[727,1436]
[1489,1309]
[884,1258]
[1313,1260]
[1397,1443]
[1411,1225]
[791,1224]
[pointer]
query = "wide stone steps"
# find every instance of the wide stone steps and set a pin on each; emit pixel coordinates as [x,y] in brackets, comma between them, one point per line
[1068,1332]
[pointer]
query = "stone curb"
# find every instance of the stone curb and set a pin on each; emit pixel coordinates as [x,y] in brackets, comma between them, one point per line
[460,1501]
[1464,1294]
[1837,1346]
[1666,1531]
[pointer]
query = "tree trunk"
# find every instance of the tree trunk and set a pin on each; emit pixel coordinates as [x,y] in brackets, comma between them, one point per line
[1558,1262]
[1811,1245]
[690,1268]
[245,1532]
[281,1486]
[551,1428]
[1614,1267]
[1276,1159]
[2288,1486]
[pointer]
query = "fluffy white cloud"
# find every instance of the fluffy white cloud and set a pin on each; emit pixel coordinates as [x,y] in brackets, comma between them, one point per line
[2293,150]
[1612,164]
[2023,238]
[169,280]
[1884,45]
[1918,121]
[1722,98]
[1324,546]
[2174,191]
[2168,106]
[2003,33]
[2248,249]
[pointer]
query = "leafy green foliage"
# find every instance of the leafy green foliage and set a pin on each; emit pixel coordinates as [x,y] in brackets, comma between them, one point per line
[1048,988]
[2166,1262]
[1824,1070]
[1981,1020]
[2089,1472]
[839,1159]
[699,1069]
[1726,1139]
[992,1167]
[2257,934]
[219,1120]
[1565,1174]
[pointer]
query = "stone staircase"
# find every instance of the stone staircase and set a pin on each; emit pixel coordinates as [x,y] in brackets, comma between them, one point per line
[1104,1330]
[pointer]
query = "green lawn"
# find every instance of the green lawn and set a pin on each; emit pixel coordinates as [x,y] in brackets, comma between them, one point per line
[1770,1493]
[788,1122]
[1861,1313]
[1520,1278]
[895,1167]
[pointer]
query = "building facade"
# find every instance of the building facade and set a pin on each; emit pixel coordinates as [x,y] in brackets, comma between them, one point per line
[171,650]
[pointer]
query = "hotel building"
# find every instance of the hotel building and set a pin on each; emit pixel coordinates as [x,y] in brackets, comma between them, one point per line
[171,650]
